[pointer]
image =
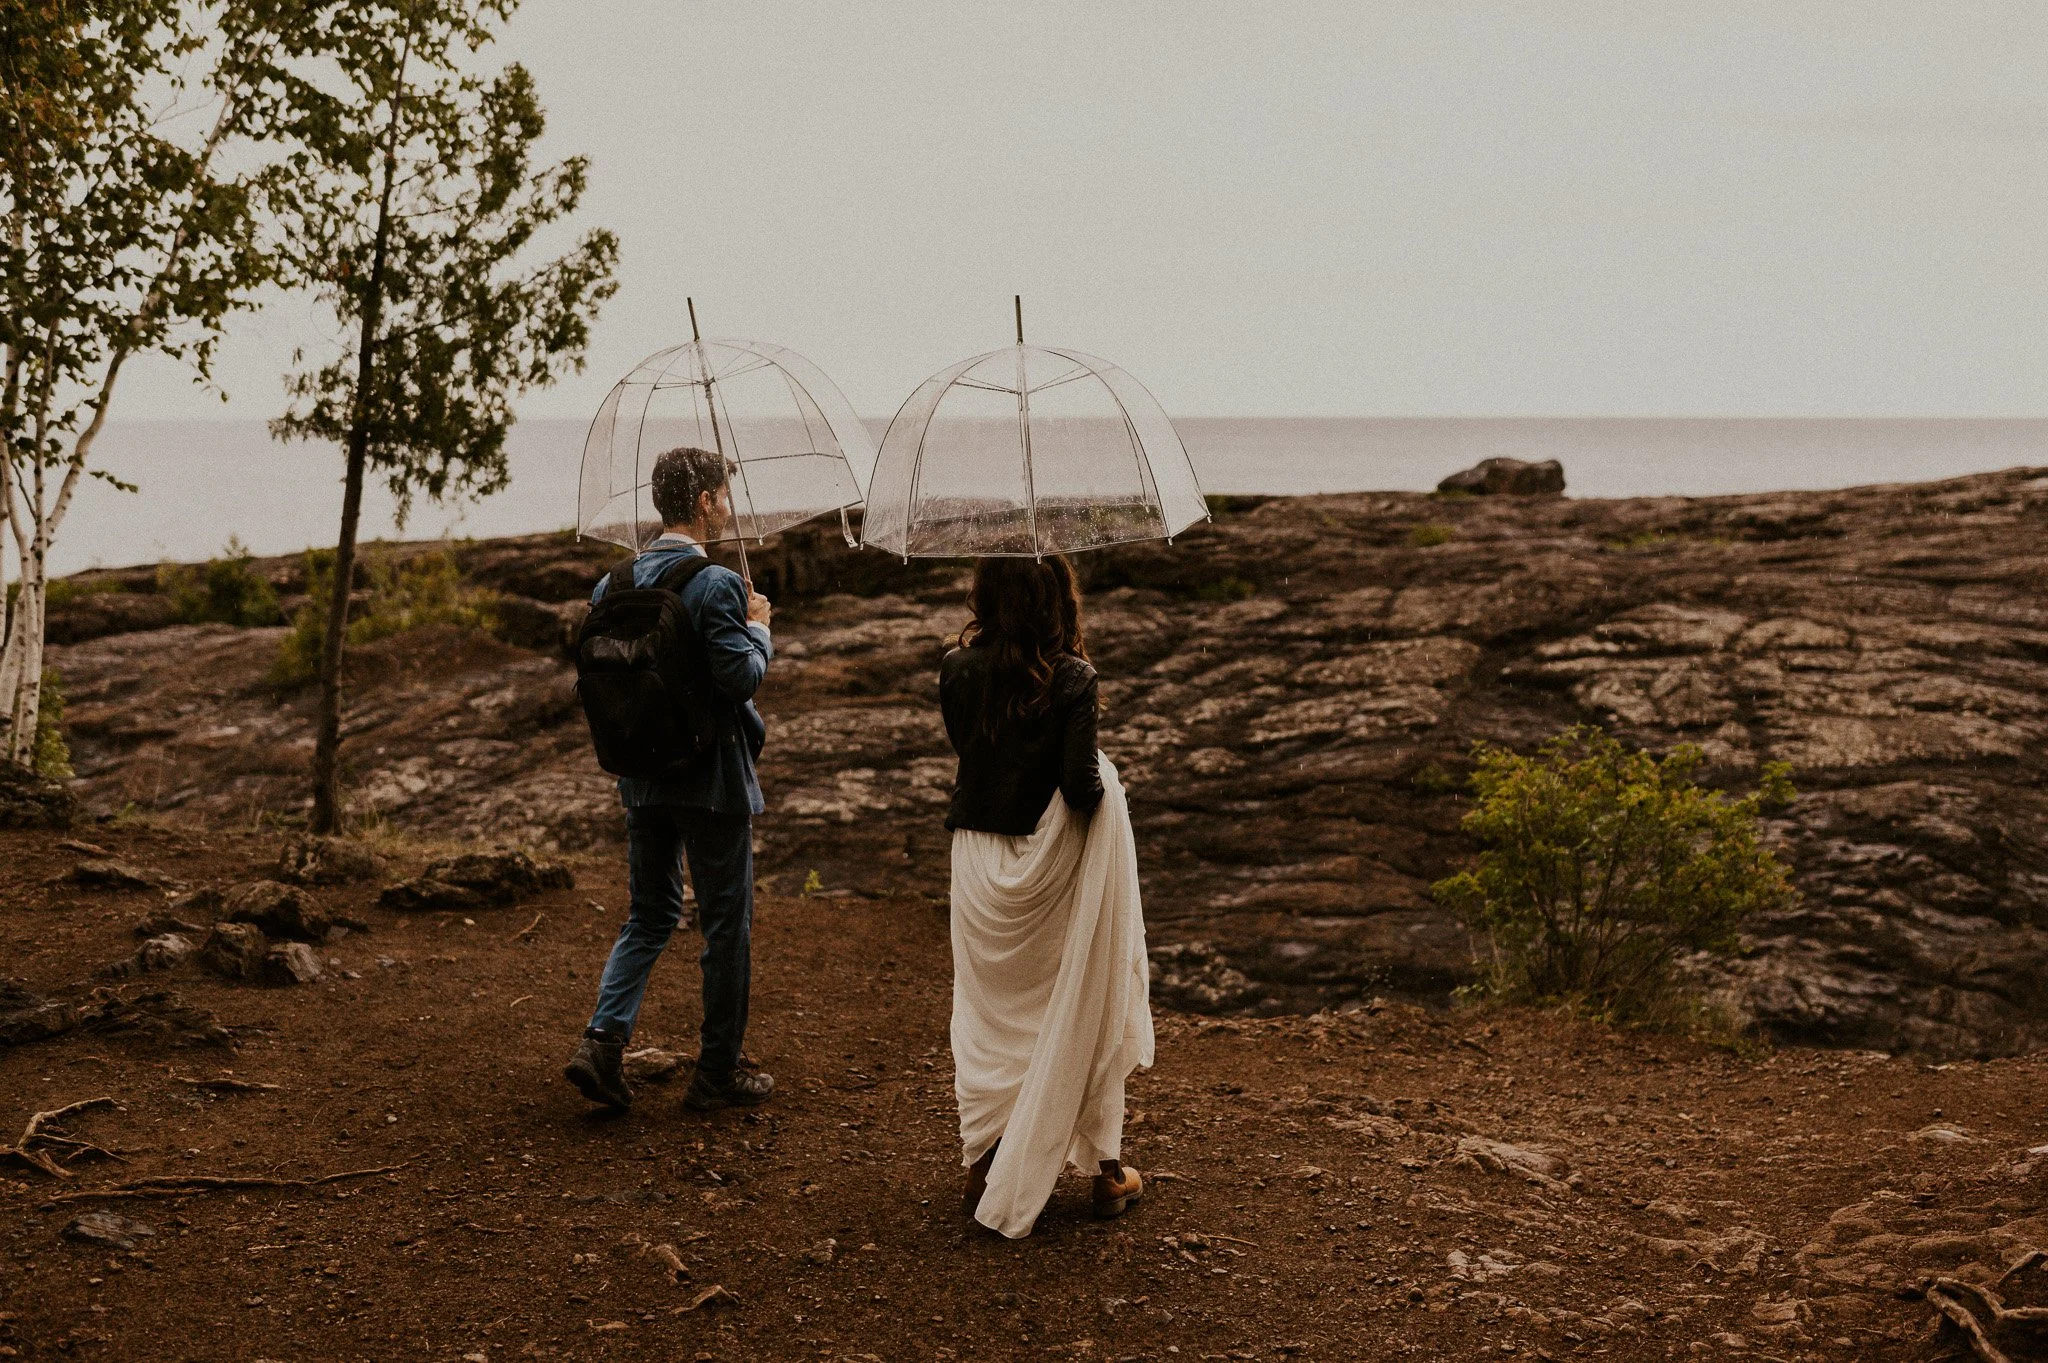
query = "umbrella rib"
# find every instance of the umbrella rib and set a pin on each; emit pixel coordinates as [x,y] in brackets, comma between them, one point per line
[1081,373]
[984,387]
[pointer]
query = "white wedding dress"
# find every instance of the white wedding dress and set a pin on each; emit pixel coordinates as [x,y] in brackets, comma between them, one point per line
[1050,1006]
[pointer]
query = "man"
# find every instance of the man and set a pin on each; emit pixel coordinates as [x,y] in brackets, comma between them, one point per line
[702,810]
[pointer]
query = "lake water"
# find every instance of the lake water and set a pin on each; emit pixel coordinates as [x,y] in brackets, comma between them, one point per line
[204,481]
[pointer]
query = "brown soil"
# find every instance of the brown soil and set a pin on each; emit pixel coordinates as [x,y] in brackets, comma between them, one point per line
[1315,1188]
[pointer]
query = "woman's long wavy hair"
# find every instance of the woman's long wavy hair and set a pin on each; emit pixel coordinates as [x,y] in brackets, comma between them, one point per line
[1027,613]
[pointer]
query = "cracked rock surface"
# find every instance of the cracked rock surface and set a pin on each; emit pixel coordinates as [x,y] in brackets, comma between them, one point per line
[1291,694]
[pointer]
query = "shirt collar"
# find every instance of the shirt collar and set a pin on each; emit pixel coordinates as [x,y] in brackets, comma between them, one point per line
[675,539]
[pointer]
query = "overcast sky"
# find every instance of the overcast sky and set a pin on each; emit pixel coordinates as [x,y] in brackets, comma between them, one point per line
[1398,208]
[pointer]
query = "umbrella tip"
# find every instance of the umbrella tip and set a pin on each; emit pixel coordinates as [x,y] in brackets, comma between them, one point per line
[1018,299]
[693,319]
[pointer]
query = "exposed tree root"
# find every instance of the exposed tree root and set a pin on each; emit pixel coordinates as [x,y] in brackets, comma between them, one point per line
[1983,1320]
[36,1134]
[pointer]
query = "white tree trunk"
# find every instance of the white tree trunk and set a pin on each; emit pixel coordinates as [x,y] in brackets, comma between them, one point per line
[28,684]
[25,701]
[14,650]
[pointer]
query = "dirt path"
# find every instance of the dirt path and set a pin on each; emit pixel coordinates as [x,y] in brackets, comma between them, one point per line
[1326,1187]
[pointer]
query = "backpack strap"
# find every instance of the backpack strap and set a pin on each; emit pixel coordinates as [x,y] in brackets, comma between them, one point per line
[680,576]
[621,575]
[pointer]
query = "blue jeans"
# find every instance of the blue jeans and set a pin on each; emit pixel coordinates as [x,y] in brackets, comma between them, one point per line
[720,849]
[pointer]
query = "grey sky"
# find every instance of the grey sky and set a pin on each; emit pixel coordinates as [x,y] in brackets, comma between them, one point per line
[1403,208]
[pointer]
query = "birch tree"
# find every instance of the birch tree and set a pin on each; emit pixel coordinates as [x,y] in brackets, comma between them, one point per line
[118,237]
[407,203]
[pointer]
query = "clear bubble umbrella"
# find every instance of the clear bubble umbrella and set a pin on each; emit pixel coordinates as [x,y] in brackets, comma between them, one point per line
[791,442]
[1027,451]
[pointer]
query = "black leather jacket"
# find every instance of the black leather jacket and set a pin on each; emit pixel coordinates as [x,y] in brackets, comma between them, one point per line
[1008,778]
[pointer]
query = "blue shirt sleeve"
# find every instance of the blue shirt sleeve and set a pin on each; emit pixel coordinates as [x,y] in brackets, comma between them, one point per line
[739,656]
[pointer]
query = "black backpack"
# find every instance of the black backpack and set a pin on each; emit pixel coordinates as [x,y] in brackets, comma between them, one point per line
[642,675]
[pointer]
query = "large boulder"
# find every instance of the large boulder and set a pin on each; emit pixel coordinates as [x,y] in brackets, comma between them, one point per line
[1510,477]
[476,880]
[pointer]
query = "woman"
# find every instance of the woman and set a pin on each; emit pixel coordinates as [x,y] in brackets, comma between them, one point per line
[1049,981]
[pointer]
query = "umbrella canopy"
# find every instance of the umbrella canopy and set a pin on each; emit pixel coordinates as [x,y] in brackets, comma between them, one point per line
[792,444]
[1028,451]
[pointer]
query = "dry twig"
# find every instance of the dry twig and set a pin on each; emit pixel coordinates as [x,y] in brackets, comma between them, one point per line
[226,1085]
[527,931]
[186,1185]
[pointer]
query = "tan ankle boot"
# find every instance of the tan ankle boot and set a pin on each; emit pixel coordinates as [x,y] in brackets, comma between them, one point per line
[1114,1196]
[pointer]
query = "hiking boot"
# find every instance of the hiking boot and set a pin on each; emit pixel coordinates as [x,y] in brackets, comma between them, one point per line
[1114,1196]
[743,1087]
[598,1071]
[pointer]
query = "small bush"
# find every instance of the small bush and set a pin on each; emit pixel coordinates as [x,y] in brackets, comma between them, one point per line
[1429,536]
[65,590]
[1603,865]
[53,755]
[225,590]
[425,590]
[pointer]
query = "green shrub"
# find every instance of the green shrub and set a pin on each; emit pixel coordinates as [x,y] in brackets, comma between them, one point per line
[64,590]
[408,595]
[53,755]
[1429,536]
[1602,865]
[225,590]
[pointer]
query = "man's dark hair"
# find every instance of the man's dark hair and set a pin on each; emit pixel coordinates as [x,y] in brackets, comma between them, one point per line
[680,477]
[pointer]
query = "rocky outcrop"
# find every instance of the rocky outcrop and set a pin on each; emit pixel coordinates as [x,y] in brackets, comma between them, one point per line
[1509,477]
[1291,695]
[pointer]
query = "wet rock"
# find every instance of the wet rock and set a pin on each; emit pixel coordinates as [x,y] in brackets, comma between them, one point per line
[1512,477]
[541,626]
[287,964]
[477,880]
[1196,978]
[201,905]
[312,860]
[158,924]
[157,953]
[27,801]
[1291,695]
[279,910]
[94,615]
[234,951]
[107,1228]
[106,873]
[159,1015]
[26,1017]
